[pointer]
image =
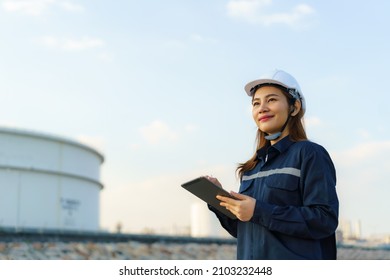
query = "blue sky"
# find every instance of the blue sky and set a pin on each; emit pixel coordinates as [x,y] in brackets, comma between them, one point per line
[157,87]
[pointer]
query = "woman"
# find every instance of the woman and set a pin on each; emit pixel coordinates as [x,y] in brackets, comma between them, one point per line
[287,206]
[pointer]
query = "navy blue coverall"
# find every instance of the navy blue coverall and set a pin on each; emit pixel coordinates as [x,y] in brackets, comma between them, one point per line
[296,212]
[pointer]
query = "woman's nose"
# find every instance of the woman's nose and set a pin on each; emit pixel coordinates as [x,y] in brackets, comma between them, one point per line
[263,108]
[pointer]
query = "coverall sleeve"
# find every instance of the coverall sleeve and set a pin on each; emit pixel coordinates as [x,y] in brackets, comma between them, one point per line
[317,217]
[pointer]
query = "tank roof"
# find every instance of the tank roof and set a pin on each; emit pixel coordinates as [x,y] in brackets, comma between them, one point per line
[49,137]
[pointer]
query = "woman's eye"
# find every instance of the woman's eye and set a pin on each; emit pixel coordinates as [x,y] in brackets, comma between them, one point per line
[254,104]
[271,99]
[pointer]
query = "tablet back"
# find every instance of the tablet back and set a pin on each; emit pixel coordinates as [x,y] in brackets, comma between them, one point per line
[207,191]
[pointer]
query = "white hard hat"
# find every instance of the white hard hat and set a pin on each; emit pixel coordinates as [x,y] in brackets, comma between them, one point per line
[281,78]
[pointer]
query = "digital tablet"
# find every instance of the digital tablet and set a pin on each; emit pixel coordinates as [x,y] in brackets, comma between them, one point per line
[207,191]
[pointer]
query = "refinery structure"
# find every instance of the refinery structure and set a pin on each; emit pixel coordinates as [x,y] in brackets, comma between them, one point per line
[48,182]
[53,183]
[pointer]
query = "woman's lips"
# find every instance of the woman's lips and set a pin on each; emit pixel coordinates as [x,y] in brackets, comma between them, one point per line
[264,118]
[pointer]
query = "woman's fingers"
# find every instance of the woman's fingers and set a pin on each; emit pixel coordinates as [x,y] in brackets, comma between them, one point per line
[213,180]
[242,208]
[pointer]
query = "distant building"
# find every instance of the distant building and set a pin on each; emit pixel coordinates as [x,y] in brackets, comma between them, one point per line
[204,223]
[350,231]
[48,182]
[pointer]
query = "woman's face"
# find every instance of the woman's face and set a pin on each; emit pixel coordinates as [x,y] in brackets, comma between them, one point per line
[270,110]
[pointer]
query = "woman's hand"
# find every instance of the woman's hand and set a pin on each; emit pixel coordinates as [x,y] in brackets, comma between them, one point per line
[214,180]
[242,208]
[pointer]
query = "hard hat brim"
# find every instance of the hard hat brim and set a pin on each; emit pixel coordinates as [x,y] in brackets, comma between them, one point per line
[259,82]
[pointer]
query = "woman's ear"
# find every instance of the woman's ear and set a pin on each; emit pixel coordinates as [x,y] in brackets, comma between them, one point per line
[297,107]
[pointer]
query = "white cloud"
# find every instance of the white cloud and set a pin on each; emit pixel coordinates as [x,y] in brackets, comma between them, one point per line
[38,7]
[363,133]
[93,142]
[368,154]
[246,8]
[158,132]
[191,39]
[71,44]
[134,146]
[362,184]
[202,39]
[311,122]
[174,44]
[30,7]
[190,128]
[82,44]
[71,7]
[106,57]
[254,12]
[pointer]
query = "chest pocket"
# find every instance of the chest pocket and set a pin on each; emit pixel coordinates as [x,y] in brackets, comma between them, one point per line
[245,185]
[282,189]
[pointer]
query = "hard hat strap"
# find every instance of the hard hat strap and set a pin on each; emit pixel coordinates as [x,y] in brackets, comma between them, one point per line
[278,134]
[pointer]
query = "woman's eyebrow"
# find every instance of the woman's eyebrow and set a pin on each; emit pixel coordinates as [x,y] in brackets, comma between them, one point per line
[271,95]
[267,96]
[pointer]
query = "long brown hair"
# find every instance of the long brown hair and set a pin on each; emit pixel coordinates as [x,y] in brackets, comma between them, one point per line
[296,133]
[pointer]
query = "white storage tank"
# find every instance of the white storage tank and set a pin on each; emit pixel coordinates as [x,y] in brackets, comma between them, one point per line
[48,182]
[204,222]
